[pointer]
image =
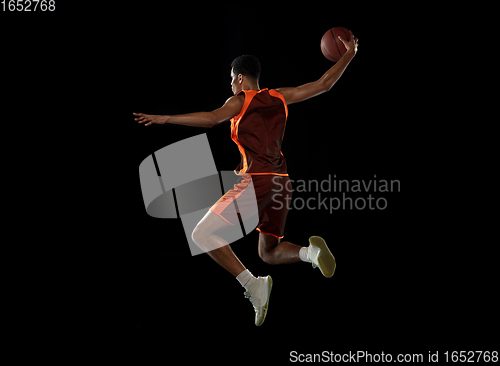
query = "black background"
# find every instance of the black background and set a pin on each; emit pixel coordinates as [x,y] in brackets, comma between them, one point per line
[401,285]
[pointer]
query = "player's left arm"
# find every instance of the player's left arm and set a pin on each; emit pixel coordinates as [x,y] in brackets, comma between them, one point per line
[199,119]
[325,83]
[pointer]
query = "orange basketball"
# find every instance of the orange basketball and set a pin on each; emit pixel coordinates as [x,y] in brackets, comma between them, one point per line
[331,46]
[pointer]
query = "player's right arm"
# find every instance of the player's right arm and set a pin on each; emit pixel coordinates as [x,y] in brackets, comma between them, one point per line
[199,119]
[325,83]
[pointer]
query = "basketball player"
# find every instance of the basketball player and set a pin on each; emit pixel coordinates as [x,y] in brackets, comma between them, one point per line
[258,118]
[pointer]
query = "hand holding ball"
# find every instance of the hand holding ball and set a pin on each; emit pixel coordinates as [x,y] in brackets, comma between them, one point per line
[331,46]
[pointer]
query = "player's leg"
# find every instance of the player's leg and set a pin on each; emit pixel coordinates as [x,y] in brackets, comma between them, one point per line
[272,219]
[204,236]
[258,290]
[274,251]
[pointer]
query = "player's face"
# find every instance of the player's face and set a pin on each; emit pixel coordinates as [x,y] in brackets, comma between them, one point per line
[235,85]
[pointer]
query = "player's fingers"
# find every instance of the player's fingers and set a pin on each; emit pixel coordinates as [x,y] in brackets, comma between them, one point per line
[346,43]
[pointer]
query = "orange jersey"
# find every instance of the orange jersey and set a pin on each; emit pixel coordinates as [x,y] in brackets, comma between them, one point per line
[258,131]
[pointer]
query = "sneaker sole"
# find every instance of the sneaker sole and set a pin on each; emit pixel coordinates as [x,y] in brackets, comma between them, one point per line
[326,260]
[266,305]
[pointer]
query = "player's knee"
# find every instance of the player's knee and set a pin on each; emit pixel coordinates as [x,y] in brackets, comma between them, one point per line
[267,246]
[266,255]
[197,235]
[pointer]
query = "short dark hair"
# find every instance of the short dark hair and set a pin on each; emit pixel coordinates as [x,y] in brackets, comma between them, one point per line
[247,65]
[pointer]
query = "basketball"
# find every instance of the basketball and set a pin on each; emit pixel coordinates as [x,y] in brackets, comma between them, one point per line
[331,46]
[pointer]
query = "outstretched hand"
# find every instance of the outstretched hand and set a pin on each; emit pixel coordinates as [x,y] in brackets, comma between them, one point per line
[150,119]
[352,44]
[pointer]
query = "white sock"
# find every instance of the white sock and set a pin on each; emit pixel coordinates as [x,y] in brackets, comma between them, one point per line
[303,254]
[246,279]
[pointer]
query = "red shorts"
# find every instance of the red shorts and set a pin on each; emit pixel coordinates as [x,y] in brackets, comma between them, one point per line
[273,194]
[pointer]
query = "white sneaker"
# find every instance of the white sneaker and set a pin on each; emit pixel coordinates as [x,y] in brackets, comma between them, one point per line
[320,256]
[258,294]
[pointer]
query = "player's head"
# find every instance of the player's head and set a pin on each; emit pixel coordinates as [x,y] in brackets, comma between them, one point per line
[245,66]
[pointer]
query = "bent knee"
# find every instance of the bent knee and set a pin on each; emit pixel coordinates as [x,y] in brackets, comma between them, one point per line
[198,235]
[266,256]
